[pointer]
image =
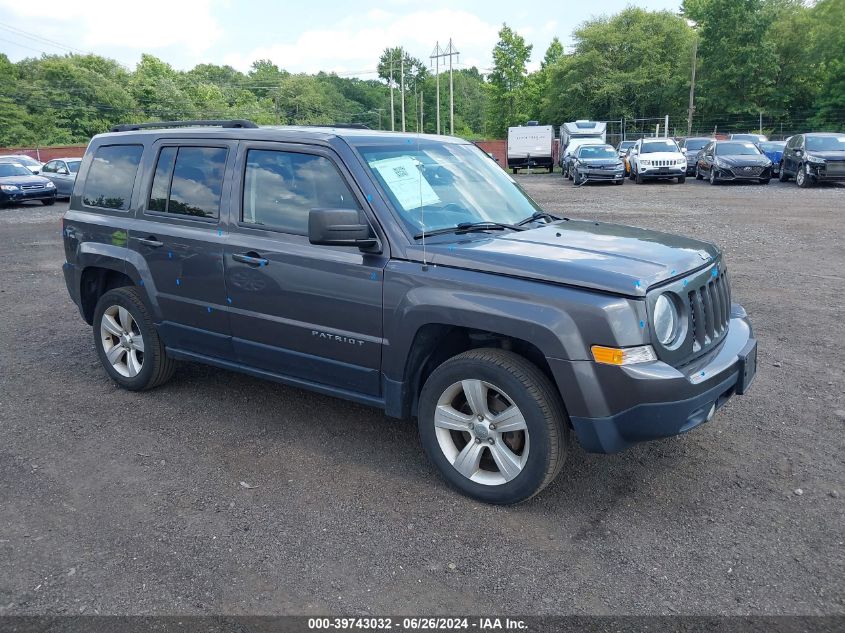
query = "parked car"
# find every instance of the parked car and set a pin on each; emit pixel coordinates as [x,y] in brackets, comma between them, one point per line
[657,159]
[411,277]
[691,146]
[574,144]
[622,149]
[62,173]
[733,160]
[754,138]
[19,184]
[597,163]
[774,152]
[814,157]
[29,162]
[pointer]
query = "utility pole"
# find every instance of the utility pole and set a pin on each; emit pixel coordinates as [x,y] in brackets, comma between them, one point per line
[422,113]
[392,116]
[761,122]
[436,55]
[402,85]
[666,127]
[692,86]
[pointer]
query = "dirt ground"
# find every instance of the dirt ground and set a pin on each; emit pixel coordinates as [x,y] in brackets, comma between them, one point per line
[125,503]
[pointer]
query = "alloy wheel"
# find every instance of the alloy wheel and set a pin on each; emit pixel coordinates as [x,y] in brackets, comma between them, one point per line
[481,432]
[122,341]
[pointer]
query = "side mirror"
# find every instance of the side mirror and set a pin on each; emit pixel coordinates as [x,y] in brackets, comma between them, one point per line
[339,227]
[63,171]
[799,152]
[683,150]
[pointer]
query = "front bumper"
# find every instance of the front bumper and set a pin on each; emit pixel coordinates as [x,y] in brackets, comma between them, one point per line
[10,197]
[592,173]
[612,407]
[822,173]
[673,171]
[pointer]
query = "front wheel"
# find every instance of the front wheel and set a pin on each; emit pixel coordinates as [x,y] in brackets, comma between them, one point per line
[576,179]
[782,175]
[494,425]
[764,181]
[127,342]
[713,179]
[698,175]
[802,179]
[682,179]
[638,178]
[49,202]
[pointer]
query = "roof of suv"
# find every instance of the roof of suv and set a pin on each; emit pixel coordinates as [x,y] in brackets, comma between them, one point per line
[285,133]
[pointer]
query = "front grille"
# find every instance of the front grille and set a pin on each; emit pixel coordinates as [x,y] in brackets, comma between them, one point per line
[710,310]
[747,171]
[835,168]
[27,187]
[663,163]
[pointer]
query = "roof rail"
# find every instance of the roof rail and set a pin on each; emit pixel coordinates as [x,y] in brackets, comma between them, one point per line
[235,123]
[351,126]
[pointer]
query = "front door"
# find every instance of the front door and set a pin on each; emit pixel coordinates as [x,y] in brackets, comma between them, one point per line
[312,313]
[180,237]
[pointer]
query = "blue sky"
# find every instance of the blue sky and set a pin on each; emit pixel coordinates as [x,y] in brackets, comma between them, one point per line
[332,35]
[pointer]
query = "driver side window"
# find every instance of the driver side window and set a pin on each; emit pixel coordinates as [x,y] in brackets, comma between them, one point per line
[281,188]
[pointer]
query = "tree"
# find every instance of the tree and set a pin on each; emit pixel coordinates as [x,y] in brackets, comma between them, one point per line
[507,102]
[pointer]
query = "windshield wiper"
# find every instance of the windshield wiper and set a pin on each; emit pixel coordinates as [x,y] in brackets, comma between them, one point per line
[467,227]
[539,215]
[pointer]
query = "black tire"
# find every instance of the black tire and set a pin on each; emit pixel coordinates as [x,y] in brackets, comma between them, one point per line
[682,179]
[783,176]
[156,367]
[713,179]
[552,169]
[621,181]
[49,202]
[764,181]
[638,178]
[537,399]
[576,179]
[802,179]
[515,170]
[698,175]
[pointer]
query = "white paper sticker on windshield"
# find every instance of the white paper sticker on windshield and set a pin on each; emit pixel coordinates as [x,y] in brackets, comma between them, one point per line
[403,177]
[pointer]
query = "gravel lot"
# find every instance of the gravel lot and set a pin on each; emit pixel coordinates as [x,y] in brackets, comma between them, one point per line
[116,502]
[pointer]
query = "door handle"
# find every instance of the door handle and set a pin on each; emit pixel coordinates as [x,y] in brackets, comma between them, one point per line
[250,258]
[151,241]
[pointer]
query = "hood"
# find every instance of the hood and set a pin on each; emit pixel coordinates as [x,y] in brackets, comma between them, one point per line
[755,159]
[835,155]
[606,257]
[23,180]
[661,156]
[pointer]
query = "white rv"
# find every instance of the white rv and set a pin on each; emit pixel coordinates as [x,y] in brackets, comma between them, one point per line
[589,131]
[530,146]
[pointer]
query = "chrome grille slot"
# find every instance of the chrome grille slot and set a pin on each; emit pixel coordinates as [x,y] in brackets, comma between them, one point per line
[710,310]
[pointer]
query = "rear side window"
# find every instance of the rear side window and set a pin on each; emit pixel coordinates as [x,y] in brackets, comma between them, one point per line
[281,188]
[189,181]
[112,176]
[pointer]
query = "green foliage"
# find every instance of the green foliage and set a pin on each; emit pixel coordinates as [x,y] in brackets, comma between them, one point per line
[508,102]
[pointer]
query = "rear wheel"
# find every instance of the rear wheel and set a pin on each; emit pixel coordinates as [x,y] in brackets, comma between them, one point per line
[127,342]
[515,170]
[494,425]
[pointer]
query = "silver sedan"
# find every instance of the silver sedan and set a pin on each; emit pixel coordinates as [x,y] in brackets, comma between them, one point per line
[62,172]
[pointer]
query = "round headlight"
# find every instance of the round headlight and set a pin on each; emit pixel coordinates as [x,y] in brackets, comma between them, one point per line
[665,320]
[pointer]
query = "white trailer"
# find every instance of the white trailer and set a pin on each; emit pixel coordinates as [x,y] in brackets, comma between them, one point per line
[530,146]
[580,129]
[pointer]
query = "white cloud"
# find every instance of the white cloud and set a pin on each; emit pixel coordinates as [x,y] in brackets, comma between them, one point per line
[151,25]
[355,44]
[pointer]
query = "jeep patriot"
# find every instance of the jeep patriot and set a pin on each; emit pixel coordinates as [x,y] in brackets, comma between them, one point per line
[405,272]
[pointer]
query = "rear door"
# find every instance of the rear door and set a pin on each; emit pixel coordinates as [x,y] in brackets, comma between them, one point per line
[309,312]
[179,234]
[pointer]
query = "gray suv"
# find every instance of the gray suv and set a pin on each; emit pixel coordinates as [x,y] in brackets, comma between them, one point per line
[406,272]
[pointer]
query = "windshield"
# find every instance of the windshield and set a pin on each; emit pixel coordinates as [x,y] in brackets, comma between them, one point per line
[626,144]
[754,138]
[21,160]
[597,151]
[695,144]
[826,143]
[736,149]
[773,146]
[651,147]
[11,169]
[73,165]
[434,185]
